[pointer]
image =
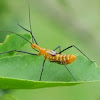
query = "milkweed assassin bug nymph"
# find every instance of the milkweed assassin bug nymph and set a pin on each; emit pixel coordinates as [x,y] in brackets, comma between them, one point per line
[51,55]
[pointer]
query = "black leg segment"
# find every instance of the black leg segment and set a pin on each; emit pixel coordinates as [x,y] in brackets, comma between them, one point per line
[24,28]
[42,70]
[59,47]
[77,49]
[17,51]
[70,72]
[33,38]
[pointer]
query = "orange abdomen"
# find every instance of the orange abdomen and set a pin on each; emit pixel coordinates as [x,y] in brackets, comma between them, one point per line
[70,58]
[61,59]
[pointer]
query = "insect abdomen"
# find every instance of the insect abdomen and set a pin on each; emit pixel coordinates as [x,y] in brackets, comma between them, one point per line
[70,58]
[62,59]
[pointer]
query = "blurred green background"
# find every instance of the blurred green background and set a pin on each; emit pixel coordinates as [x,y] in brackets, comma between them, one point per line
[54,23]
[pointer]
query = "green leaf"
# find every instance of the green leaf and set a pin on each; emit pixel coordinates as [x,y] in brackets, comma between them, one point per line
[23,71]
[8,97]
[13,42]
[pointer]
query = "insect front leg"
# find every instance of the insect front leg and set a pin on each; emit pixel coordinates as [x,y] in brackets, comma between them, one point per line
[24,28]
[59,47]
[17,51]
[42,70]
[77,49]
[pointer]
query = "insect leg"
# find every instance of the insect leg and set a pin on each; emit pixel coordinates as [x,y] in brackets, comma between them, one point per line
[24,28]
[18,51]
[42,70]
[33,38]
[59,47]
[77,49]
[70,72]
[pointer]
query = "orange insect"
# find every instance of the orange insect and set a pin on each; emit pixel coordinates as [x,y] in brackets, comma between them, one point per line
[51,55]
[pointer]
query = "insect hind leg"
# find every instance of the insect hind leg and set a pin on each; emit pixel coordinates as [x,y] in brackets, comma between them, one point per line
[77,49]
[70,72]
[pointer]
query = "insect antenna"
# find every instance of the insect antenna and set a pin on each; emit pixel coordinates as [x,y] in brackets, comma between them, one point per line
[33,38]
[30,31]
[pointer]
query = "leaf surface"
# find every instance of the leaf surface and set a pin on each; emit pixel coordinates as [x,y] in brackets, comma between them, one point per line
[13,42]
[23,71]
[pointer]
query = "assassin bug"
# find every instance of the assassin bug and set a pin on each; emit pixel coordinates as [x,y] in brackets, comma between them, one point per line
[51,55]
